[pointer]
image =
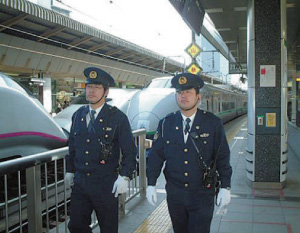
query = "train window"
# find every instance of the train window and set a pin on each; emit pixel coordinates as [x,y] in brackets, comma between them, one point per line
[13,84]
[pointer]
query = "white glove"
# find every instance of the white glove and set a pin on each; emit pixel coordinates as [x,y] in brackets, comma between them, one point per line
[223,198]
[151,195]
[69,179]
[120,186]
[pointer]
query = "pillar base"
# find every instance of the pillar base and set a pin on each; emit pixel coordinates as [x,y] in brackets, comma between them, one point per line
[266,185]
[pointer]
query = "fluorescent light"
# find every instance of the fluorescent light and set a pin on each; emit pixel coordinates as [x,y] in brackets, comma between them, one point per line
[223,29]
[37,80]
[214,10]
[230,41]
[240,8]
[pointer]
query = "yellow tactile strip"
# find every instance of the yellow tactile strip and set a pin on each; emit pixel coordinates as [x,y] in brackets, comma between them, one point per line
[158,222]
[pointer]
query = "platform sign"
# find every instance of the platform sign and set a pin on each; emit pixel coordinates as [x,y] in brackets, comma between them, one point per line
[194,68]
[193,50]
[237,68]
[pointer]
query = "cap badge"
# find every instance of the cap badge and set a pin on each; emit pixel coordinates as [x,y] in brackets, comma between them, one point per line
[182,80]
[93,74]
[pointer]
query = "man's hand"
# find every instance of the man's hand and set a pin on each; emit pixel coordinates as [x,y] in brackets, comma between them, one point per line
[223,199]
[151,195]
[69,179]
[120,185]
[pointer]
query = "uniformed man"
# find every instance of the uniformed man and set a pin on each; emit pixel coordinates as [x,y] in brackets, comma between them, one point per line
[99,132]
[189,141]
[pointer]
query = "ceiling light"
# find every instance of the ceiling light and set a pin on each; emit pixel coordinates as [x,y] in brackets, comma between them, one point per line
[214,10]
[230,41]
[223,29]
[240,8]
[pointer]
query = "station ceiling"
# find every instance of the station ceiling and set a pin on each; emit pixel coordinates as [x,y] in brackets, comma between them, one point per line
[22,22]
[230,19]
[20,19]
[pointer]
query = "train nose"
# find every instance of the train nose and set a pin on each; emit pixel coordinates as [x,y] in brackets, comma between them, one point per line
[145,120]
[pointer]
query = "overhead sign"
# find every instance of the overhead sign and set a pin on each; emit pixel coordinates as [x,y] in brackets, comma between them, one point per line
[194,68]
[192,13]
[237,68]
[193,50]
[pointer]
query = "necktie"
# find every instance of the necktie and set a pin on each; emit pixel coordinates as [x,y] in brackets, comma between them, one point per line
[92,120]
[187,125]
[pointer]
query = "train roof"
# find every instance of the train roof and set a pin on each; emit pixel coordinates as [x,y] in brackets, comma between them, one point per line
[165,82]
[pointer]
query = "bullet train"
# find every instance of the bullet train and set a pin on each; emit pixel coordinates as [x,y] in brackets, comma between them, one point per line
[25,126]
[158,99]
[146,107]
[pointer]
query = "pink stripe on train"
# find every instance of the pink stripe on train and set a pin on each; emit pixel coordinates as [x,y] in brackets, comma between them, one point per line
[30,133]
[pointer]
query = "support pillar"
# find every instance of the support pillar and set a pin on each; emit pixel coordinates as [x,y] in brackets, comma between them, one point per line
[267,99]
[47,94]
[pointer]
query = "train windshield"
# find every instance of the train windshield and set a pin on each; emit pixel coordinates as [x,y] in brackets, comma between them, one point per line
[13,83]
[160,83]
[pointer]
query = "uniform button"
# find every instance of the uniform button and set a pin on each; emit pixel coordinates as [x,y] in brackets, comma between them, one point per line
[186,174]
[88,140]
[167,142]
[82,119]
[106,136]
[86,163]
[177,128]
[86,152]
[205,142]
[186,162]
[185,150]
[197,127]
[88,174]
[101,120]
[186,185]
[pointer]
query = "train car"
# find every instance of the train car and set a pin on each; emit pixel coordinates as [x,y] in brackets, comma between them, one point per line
[25,126]
[158,99]
[146,107]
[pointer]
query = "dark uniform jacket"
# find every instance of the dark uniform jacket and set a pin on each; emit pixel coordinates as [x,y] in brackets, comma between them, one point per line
[182,170]
[111,127]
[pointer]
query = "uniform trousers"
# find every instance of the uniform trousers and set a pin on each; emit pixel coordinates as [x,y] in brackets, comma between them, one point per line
[90,194]
[190,212]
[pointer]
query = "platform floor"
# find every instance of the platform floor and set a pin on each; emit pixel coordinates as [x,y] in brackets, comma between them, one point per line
[250,210]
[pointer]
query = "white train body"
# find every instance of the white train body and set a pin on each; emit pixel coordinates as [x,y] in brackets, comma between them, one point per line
[158,99]
[25,127]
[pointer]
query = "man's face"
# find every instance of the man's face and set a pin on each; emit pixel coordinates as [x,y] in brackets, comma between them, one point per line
[187,99]
[94,92]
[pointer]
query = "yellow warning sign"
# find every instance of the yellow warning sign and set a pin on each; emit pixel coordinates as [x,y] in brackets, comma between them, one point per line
[270,119]
[194,68]
[193,50]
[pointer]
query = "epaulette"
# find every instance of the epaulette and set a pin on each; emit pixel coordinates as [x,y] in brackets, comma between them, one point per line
[82,107]
[209,114]
[171,114]
[112,108]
